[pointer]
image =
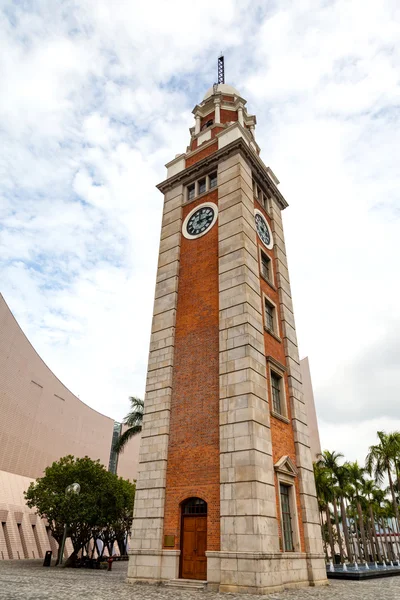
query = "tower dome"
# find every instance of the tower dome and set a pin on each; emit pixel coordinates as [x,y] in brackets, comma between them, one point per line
[221,87]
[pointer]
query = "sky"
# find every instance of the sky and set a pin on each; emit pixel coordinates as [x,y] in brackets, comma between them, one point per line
[96,97]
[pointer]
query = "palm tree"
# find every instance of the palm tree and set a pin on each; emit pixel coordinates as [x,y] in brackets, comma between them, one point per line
[134,420]
[344,490]
[378,496]
[381,459]
[324,496]
[329,460]
[368,490]
[356,477]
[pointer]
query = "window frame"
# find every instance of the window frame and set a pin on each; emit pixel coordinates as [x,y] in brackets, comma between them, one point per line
[189,188]
[199,182]
[286,474]
[284,521]
[275,332]
[271,279]
[261,196]
[195,185]
[279,371]
[211,187]
[276,386]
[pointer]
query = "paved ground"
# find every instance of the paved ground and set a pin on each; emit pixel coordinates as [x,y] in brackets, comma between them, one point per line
[28,580]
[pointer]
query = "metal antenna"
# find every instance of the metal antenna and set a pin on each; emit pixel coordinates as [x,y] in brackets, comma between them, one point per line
[221,69]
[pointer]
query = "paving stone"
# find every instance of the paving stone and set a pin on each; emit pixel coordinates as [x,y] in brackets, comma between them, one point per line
[28,580]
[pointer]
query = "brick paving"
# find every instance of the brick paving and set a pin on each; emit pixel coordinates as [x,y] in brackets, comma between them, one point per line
[28,580]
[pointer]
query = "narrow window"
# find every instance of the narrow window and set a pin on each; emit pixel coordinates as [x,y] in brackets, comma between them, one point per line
[286,518]
[202,186]
[269,316]
[190,191]
[276,393]
[213,180]
[265,266]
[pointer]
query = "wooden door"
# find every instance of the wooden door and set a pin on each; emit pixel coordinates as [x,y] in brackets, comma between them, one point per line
[194,546]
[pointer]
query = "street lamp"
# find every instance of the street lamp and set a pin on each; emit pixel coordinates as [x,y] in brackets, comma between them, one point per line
[73,488]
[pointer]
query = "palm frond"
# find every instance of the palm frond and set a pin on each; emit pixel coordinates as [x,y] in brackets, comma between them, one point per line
[121,442]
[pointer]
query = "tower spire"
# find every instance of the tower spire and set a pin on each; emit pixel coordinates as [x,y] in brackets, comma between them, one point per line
[221,69]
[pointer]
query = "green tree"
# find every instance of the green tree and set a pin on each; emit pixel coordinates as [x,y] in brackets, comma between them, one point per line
[98,504]
[118,517]
[134,420]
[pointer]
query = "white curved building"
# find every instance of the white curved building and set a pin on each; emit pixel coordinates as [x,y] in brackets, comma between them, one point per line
[41,421]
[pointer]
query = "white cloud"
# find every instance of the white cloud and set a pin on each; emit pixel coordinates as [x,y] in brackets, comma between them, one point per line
[99,96]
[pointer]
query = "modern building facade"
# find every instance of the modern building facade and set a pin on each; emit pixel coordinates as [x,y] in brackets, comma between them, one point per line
[308,395]
[41,421]
[225,490]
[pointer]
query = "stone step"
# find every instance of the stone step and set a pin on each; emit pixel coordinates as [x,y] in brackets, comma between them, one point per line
[186,584]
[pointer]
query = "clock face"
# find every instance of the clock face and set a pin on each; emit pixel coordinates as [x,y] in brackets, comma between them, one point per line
[200,220]
[263,230]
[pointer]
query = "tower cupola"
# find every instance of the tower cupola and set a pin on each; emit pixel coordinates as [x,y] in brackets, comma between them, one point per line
[221,108]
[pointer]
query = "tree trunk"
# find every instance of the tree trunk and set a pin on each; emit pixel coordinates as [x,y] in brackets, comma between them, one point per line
[338,530]
[331,540]
[345,529]
[362,530]
[387,551]
[71,560]
[121,547]
[378,550]
[358,540]
[321,517]
[371,541]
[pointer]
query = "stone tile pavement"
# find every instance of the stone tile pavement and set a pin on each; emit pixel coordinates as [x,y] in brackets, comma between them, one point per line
[28,580]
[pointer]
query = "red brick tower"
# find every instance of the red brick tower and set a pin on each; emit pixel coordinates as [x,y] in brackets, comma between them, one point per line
[225,492]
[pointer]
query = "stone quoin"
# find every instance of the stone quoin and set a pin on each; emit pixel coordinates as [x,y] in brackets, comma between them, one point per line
[225,491]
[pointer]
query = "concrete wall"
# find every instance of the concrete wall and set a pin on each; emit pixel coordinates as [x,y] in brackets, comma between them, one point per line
[308,393]
[22,533]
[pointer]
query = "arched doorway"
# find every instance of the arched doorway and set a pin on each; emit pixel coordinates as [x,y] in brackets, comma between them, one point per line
[194,539]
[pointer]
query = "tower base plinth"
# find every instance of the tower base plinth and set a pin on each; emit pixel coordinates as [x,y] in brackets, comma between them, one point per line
[234,572]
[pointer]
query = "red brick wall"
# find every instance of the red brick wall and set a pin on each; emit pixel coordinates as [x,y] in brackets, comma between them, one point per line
[193,451]
[228,115]
[201,154]
[281,433]
[208,117]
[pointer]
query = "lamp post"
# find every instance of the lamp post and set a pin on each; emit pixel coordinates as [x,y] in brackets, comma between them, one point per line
[73,488]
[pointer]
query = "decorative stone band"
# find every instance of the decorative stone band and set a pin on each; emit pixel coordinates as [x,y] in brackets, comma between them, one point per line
[212,161]
[264,555]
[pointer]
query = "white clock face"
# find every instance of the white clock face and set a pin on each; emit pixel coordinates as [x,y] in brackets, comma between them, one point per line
[263,229]
[200,220]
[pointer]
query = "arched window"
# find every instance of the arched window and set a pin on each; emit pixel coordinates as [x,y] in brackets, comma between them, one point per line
[194,506]
[207,124]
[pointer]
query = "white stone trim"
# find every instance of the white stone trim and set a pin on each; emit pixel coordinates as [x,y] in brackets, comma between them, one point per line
[185,222]
[271,241]
[204,136]
[176,166]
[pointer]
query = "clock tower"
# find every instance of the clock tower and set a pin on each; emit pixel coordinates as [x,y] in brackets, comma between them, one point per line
[225,492]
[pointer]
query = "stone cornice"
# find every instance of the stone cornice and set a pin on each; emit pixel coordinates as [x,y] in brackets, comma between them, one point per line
[209,162]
